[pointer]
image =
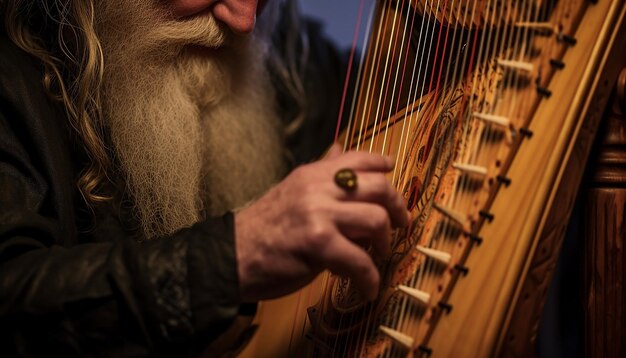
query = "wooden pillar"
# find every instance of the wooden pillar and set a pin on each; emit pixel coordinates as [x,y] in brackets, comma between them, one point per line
[605,232]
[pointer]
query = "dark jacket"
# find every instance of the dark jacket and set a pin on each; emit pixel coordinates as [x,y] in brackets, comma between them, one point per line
[75,282]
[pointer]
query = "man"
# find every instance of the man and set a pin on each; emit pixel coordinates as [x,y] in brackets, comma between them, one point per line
[131,133]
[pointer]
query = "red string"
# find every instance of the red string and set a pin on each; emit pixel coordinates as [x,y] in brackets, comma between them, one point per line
[378,59]
[349,70]
[432,76]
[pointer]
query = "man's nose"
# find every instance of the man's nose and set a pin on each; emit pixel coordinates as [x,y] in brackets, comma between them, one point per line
[239,15]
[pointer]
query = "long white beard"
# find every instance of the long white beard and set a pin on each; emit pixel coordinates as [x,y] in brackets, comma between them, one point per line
[194,129]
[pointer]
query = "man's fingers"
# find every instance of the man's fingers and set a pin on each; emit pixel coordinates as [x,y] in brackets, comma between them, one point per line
[366,224]
[375,188]
[362,161]
[349,260]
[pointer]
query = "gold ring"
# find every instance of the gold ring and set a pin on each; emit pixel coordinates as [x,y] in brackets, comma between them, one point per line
[346,179]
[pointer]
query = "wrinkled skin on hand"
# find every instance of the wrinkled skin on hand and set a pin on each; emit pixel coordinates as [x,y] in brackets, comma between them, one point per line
[307,224]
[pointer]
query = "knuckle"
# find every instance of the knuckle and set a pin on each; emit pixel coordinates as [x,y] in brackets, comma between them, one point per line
[358,264]
[309,207]
[319,235]
[391,194]
[353,155]
[361,159]
[399,202]
[380,218]
[381,187]
[389,189]
[365,266]
[374,278]
[381,182]
[371,161]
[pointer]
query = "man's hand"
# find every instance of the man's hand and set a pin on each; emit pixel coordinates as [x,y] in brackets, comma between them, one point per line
[307,223]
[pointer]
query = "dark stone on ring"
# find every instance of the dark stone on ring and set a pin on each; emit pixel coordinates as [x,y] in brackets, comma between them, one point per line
[346,179]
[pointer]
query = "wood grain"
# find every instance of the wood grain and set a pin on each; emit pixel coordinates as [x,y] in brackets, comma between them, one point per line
[521,336]
[605,232]
[496,281]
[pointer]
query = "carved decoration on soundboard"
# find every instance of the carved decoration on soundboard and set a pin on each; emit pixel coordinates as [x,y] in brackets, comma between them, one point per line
[429,175]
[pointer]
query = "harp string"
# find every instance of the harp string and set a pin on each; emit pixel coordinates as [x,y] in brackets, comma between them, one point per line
[406,309]
[325,284]
[349,138]
[393,318]
[386,77]
[433,79]
[412,90]
[441,82]
[379,115]
[372,78]
[428,266]
[349,70]
[352,124]
[397,87]
[407,33]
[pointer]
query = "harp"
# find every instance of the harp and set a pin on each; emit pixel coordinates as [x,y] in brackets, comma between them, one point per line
[490,107]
